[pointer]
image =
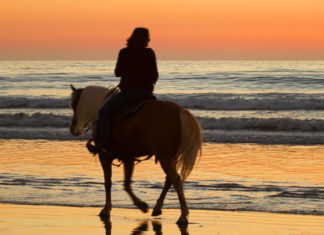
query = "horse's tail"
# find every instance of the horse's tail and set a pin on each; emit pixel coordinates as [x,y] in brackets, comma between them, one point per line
[190,143]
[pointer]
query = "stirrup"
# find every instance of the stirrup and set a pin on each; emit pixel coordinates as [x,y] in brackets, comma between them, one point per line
[92,148]
[95,150]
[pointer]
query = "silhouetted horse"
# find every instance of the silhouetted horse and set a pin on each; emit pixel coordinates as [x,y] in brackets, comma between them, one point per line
[159,128]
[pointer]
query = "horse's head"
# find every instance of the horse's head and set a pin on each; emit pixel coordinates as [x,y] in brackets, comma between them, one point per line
[86,103]
[75,96]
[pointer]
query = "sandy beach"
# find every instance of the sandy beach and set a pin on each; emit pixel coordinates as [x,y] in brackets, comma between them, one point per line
[29,219]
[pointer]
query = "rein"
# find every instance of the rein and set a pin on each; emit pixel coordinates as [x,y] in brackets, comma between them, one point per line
[137,160]
[112,91]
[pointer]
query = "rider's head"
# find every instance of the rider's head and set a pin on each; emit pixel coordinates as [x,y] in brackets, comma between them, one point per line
[139,38]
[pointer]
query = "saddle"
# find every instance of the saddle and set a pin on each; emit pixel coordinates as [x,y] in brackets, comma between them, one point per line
[132,107]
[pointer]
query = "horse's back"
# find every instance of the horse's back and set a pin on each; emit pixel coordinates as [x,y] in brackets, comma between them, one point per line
[161,116]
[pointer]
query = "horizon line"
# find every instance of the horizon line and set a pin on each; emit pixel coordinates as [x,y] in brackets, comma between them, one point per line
[175,59]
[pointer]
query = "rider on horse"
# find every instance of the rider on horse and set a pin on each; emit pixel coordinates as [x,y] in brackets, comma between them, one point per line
[136,65]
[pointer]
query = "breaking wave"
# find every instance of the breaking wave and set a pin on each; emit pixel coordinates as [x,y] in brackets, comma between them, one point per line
[206,101]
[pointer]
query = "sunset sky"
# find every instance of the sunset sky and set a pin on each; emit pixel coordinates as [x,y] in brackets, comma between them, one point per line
[180,29]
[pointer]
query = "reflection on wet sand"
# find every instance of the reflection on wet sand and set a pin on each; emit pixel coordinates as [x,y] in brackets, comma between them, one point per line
[144,226]
[53,220]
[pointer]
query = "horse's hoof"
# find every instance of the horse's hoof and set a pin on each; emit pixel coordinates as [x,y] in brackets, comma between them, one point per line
[182,221]
[156,212]
[103,214]
[143,207]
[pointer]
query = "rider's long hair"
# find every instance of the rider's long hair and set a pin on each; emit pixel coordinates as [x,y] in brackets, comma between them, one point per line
[139,38]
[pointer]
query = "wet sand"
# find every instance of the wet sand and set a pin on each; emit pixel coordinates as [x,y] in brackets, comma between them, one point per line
[29,219]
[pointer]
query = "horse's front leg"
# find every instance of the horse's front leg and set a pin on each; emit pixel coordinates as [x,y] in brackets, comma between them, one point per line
[128,170]
[106,166]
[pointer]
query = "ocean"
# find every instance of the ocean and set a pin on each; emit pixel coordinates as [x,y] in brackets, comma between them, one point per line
[263,132]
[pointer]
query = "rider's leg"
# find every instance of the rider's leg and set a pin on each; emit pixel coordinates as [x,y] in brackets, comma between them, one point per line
[105,117]
[108,109]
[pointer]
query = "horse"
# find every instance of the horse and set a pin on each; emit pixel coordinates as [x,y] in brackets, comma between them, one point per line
[160,128]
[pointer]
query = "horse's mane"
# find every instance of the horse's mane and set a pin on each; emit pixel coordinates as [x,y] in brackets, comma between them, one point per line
[77,93]
[75,98]
[86,103]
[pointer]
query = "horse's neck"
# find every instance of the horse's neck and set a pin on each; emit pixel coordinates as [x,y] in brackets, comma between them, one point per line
[90,102]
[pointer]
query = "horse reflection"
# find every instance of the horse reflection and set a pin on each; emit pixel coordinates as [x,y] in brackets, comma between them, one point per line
[144,227]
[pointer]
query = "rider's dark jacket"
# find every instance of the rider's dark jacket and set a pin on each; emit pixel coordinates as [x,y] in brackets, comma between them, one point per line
[137,68]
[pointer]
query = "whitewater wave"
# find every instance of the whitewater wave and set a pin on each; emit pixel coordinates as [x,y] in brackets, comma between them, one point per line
[34,120]
[263,101]
[28,102]
[206,101]
[264,124]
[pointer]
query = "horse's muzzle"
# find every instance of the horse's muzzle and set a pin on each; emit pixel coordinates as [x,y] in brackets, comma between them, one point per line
[73,130]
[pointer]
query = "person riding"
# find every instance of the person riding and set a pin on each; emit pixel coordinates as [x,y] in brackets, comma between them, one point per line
[137,67]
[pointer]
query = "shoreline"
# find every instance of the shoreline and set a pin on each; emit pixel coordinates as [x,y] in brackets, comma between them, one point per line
[132,207]
[44,219]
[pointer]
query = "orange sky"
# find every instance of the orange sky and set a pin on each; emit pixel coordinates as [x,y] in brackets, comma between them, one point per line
[180,29]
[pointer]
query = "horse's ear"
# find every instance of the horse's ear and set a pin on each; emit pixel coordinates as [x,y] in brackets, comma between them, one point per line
[72,87]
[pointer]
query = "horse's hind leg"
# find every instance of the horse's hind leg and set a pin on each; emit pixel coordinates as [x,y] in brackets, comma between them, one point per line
[172,174]
[128,170]
[178,185]
[158,207]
